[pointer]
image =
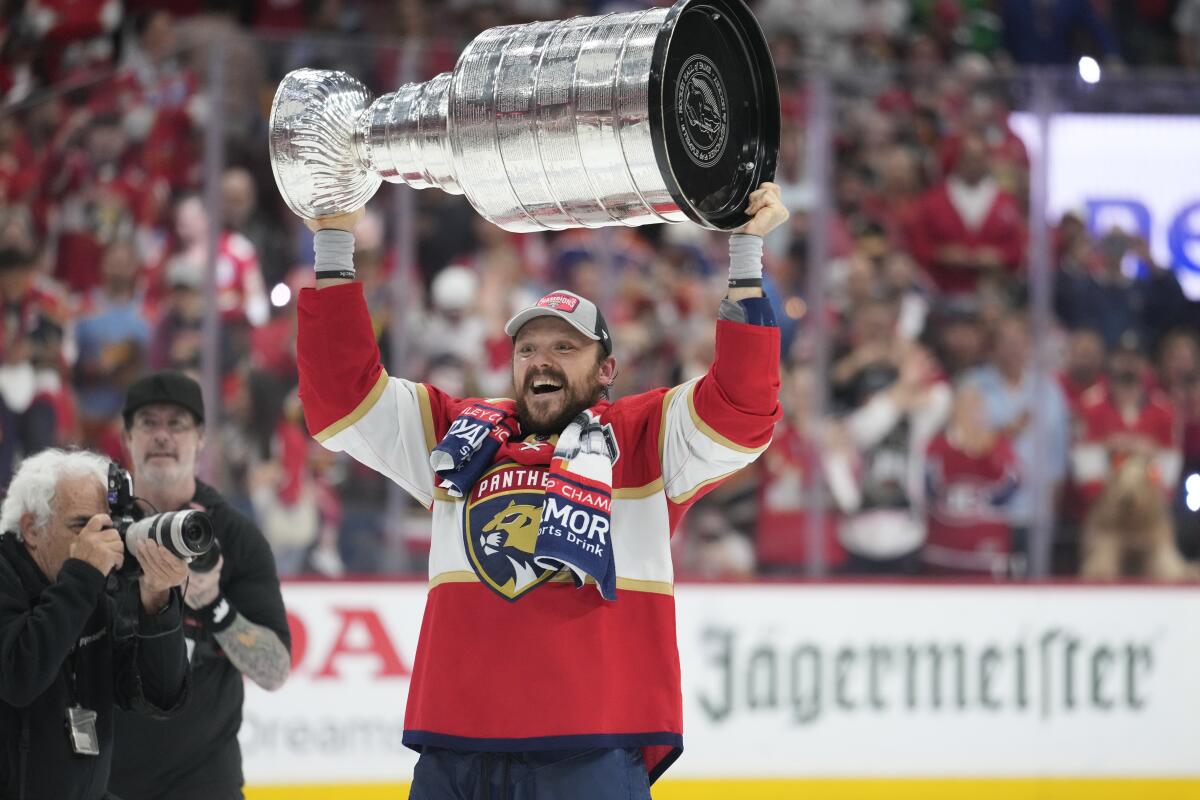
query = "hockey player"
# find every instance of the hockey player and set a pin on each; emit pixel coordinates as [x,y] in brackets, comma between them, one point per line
[547,663]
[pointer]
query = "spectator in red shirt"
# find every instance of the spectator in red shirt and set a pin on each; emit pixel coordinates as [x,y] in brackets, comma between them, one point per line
[896,200]
[17,166]
[273,346]
[279,15]
[1179,375]
[971,473]
[73,34]
[241,293]
[1083,375]
[297,512]
[161,102]
[986,114]
[97,187]
[33,400]
[1179,366]
[1125,418]
[1084,369]
[800,463]
[967,226]
[243,213]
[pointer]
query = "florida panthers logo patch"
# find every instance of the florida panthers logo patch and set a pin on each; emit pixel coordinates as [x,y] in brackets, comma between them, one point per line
[500,525]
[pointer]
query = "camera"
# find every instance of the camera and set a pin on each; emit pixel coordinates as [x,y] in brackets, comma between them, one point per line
[187,534]
[206,562]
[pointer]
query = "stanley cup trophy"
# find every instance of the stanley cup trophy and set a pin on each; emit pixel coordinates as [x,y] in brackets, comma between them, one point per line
[664,115]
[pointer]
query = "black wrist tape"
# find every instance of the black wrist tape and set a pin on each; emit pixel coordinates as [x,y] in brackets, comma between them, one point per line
[217,615]
[346,274]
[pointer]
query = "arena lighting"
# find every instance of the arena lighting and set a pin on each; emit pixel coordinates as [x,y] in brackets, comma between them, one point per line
[280,295]
[1191,488]
[1089,70]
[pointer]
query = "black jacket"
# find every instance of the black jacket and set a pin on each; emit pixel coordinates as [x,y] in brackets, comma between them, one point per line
[45,631]
[196,754]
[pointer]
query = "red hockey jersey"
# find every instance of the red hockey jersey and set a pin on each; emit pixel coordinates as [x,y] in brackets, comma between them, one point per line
[513,657]
[1094,456]
[968,530]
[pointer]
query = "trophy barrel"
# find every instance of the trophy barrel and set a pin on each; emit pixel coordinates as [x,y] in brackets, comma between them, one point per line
[662,115]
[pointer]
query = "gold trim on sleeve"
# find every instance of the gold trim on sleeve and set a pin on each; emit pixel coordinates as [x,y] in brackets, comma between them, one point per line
[639,492]
[704,428]
[426,416]
[690,493]
[662,425]
[359,411]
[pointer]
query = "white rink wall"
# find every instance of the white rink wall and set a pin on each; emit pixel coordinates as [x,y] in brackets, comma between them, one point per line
[805,681]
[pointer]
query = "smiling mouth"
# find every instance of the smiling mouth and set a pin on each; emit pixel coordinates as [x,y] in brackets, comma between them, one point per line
[545,386]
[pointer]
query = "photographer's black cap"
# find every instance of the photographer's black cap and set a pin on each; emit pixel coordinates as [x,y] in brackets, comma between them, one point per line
[164,387]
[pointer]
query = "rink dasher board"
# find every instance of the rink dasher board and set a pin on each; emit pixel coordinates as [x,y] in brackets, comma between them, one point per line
[805,682]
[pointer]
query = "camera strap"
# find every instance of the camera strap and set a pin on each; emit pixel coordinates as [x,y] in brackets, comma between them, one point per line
[70,666]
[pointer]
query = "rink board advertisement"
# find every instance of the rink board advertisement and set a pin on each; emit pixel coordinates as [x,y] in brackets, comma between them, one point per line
[1147,186]
[805,682]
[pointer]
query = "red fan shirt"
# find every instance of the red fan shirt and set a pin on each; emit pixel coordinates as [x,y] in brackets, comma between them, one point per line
[968,530]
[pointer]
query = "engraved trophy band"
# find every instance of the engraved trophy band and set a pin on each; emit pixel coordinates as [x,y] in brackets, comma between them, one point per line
[664,115]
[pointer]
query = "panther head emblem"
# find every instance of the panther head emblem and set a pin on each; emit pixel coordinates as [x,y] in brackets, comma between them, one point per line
[501,518]
[514,526]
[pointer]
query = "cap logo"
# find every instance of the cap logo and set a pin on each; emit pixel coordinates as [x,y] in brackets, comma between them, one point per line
[559,302]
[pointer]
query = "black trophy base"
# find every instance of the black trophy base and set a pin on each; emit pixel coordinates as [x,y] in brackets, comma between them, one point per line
[714,109]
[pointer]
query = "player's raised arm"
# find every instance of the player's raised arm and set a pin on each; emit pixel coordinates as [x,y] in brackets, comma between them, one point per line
[720,422]
[350,403]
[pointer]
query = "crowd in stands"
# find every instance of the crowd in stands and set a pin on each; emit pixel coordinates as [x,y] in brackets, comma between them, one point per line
[919,436]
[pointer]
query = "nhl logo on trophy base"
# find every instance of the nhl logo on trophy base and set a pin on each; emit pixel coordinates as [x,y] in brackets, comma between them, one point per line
[662,115]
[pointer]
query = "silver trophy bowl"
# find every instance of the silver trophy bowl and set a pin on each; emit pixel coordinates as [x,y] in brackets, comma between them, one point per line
[663,115]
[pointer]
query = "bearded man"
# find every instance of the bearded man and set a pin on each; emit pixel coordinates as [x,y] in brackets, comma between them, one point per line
[547,663]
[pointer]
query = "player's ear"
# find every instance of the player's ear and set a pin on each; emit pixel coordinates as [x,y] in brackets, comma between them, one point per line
[608,371]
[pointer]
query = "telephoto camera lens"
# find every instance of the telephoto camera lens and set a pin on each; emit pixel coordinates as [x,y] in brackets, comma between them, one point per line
[185,534]
[208,561]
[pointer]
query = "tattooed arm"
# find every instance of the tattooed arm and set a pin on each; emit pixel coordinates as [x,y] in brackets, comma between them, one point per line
[256,650]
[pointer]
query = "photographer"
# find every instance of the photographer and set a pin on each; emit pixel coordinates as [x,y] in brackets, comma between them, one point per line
[234,621]
[63,666]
